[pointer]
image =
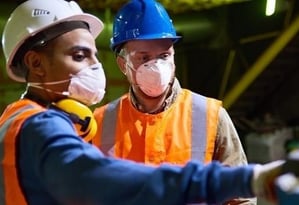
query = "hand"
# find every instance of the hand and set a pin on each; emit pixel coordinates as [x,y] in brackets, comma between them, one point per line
[264,177]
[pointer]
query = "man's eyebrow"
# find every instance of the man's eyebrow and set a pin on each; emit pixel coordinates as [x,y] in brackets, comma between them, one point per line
[141,53]
[83,48]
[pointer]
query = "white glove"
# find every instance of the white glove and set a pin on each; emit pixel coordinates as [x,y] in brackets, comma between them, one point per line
[287,182]
[264,177]
[287,189]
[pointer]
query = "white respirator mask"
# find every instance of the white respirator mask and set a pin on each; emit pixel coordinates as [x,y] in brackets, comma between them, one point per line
[154,76]
[87,86]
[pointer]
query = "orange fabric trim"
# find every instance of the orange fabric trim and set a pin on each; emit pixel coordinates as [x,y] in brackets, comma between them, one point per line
[213,107]
[13,192]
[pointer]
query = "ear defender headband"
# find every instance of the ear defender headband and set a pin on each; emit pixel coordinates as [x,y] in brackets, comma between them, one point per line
[81,116]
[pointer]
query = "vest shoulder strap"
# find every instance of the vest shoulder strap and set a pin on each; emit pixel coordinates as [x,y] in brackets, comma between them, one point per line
[109,126]
[199,127]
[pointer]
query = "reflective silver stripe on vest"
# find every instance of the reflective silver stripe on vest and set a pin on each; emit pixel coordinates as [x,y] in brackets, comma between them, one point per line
[3,130]
[109,126]
[199,127]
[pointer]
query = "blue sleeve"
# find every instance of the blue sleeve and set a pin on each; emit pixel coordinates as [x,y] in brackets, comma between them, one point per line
[54,160]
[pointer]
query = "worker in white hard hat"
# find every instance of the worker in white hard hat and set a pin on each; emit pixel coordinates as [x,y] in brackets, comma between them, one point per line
[45,156]
[157,121]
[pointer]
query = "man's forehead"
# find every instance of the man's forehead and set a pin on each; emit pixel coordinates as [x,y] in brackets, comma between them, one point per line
[150,43]
[149,46]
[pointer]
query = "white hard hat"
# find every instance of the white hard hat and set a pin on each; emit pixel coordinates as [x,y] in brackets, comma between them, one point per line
[34,16]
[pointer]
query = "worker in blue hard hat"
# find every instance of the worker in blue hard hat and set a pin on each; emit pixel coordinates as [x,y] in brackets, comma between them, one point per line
[158,121]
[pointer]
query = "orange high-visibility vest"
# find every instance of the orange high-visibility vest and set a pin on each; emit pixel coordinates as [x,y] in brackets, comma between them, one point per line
[10,124]
[187,130]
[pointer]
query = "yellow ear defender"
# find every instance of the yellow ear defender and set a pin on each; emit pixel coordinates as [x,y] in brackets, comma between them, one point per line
[81,116]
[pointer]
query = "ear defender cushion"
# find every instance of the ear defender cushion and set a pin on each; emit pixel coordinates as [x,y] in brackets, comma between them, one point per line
[81,116]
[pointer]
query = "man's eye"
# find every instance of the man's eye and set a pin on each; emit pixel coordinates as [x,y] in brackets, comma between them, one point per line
[78,57]
[144,59]
[164,56]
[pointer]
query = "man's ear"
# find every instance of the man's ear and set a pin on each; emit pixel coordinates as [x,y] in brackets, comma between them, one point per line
[121,62]
[32,60]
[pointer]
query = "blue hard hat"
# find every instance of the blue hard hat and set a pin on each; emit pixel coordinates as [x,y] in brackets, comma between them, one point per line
[142,20]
